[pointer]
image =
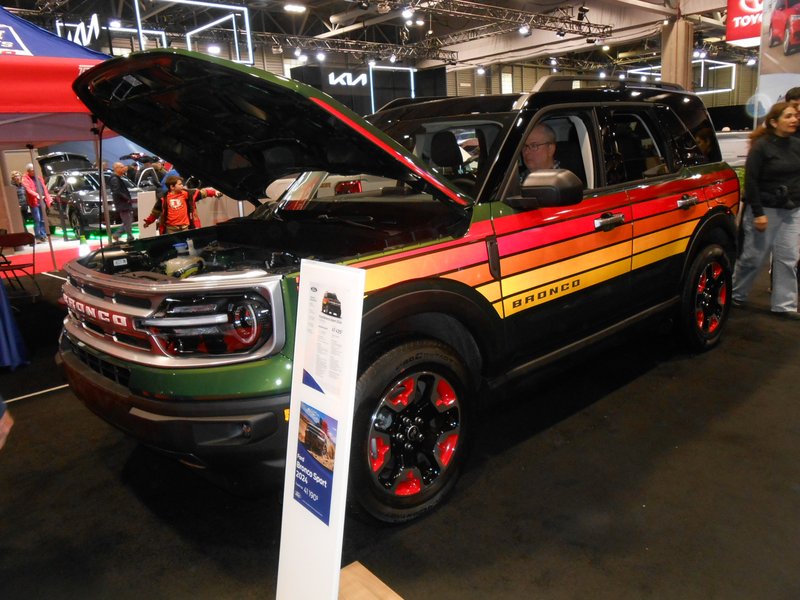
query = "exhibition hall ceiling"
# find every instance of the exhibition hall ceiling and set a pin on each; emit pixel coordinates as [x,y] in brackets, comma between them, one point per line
[419,32]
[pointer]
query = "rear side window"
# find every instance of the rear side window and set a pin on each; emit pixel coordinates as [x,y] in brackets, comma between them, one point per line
[687,149]
[632,147]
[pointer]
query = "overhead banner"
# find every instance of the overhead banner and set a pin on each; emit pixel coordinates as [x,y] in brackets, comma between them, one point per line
[325,366]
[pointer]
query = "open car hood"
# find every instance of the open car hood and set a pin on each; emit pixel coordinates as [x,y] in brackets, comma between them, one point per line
[239,128]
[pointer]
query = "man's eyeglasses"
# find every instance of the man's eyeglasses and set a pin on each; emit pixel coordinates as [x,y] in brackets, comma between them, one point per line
[535,146]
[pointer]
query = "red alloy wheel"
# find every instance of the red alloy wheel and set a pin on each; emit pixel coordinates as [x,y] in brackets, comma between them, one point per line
[711,298]
[414,433]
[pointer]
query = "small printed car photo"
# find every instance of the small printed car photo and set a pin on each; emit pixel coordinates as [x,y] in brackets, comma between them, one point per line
[331,305]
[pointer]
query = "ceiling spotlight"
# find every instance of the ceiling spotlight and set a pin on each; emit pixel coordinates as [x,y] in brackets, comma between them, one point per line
[393,58]
[643,78]
[622,75]
[409,22]
[371,62]
[553,61]
[214,49]
[115,23]
[481,71]
[294,8]
[582,13]
[302,58]
[408,13]
[602,74]
[554,70]
[419,22]
[561,33]
[321,56]
[297,52]
[362,5]
[606,47]
[525,29]
[750,61]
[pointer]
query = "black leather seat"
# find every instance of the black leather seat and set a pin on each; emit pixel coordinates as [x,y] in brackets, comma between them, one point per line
[446,154]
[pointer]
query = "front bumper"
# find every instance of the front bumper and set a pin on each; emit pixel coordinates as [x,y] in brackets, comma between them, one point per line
[217,433]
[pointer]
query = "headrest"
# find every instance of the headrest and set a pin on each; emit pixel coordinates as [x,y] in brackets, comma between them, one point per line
[445,151]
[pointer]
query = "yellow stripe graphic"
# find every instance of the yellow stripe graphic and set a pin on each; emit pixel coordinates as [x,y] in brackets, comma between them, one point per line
[563,287]
[657,254]
[665,236]
[544,275]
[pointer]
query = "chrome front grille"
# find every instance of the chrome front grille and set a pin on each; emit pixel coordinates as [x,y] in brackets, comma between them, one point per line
[108,312]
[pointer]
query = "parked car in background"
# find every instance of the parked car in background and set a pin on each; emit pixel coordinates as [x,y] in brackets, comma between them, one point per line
[478,273]
[734,146]
[77,201]
[56,162]
[784,25]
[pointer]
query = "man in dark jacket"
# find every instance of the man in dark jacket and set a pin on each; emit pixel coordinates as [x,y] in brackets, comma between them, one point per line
[121,197]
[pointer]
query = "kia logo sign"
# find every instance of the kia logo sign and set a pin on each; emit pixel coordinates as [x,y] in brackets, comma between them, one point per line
[347,79]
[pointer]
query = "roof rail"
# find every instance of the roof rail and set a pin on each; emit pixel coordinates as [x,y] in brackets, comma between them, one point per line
[406,100]
[563,83]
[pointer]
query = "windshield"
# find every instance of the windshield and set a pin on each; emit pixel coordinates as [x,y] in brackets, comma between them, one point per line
[89,181]
[458,149]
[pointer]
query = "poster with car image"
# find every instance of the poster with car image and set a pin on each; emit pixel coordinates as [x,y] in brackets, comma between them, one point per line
[779,57]
[316,450]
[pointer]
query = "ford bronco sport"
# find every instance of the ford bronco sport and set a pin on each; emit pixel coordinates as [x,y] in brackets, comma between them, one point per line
[476,274]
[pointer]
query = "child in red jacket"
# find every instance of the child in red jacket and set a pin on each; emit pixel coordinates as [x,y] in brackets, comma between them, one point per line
[177,211]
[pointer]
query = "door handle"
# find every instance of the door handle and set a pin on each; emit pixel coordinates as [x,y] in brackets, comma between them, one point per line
[608,221]
[687,201]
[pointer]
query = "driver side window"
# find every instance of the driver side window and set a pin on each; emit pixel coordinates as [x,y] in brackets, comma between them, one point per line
[560,141]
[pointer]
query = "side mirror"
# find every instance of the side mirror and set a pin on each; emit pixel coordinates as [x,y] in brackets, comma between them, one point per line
[548,188]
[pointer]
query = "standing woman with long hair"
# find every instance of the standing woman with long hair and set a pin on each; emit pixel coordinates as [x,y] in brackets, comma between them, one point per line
[772,210]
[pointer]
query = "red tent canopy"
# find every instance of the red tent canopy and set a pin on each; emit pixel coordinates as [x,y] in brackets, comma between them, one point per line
[37,68]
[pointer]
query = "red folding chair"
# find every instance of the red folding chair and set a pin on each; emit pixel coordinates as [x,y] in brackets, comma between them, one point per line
[11,270]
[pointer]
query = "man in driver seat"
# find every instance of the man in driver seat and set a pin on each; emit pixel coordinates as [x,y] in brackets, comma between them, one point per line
[539,150]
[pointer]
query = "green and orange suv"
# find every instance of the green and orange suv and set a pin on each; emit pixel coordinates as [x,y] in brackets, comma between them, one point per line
[477,273]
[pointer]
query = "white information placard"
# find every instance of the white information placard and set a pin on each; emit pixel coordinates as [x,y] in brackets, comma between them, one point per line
[320,426]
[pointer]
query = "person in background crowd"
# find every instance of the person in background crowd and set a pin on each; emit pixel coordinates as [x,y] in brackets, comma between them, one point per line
[6,422]
[167,173]
[792,96]
[772,214]
[24,209]
[158,167]
[36,194]
[152,173]
[176,210]
[121,196]
[704,139]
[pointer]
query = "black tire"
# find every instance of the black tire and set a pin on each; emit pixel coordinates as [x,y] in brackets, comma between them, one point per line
[75,223]
[706,298]
[411,430]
